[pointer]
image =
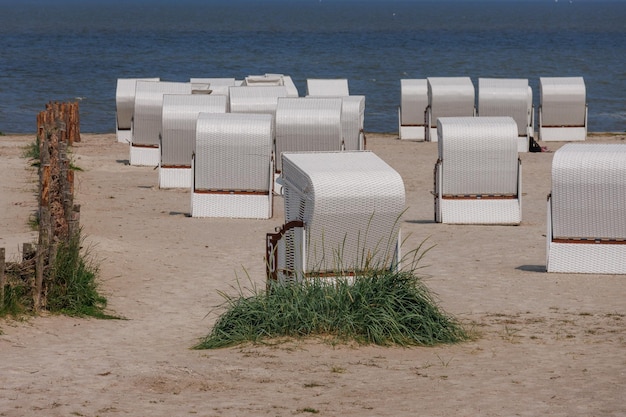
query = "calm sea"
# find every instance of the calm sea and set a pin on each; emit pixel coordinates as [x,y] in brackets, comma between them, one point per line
[76,49]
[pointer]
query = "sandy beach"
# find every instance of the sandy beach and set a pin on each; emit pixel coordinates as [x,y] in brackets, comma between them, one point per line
[546,344]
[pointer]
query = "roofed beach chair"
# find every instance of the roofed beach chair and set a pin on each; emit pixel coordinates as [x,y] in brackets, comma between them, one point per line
[125,107]
[319,87]
[448,97]
[178,141]
[478,176]
[413,103]
[342,215]
[587,210]
[272,79]
[233,166]
[308,124]
[147,124]
[509,97]
[562,109]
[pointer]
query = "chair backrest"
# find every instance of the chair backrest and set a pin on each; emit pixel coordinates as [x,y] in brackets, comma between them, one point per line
[125,100]
[450,97]
[308,124]
[233,152]
[317,87]
[351,204]
[179,119]
[563,101]
[479,155]
[147,123]
[506,97]
[413,101]
[589,191]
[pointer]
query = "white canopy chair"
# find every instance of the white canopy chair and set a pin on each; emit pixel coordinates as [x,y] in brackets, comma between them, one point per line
[233,166]
[562,109]
[411,112]
[587,209]
[342,216]
[478,176]
[448,97]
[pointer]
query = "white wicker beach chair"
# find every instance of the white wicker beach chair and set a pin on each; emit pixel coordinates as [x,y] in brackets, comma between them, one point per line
[233,172]
[308,124]
[587,210]
[478,176]
[509,97]
[562,109]
[147,123]
[272,79]
[342,215]
[411,112]
[180,116]
[125,106]
[448,97]
[318,87]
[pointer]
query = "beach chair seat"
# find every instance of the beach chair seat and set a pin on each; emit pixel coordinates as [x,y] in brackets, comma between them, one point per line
[413,103]
[125,107]
[509,97]
[562,109]
[233,166]
[447,97]
[320,87]
[178,141]
[147,122]
[478,174]
[342,215]
[308,124]
[587,209]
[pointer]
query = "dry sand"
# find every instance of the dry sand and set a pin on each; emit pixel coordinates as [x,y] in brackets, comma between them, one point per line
[548,344]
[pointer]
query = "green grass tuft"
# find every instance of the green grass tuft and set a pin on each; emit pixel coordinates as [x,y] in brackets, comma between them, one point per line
[74,289]
[378,307]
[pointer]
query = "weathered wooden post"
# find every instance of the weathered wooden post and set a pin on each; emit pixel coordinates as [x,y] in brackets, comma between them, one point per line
[3,279]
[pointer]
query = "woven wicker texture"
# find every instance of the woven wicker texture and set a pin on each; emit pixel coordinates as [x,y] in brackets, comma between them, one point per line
[258,99]
[125,100]
[562,101]
[308,124]
[506,97]
[317,87]
[144,156]
[413,101]
[233,152]
[479,155]
[450,97]
[179,118]
[149,109]
[351,203]
[586,258]
[352,120]
[589,191]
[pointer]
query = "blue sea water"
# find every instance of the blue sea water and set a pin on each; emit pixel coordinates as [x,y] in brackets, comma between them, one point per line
[76,49]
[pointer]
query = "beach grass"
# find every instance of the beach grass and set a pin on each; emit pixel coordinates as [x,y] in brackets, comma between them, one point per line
[380,307]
